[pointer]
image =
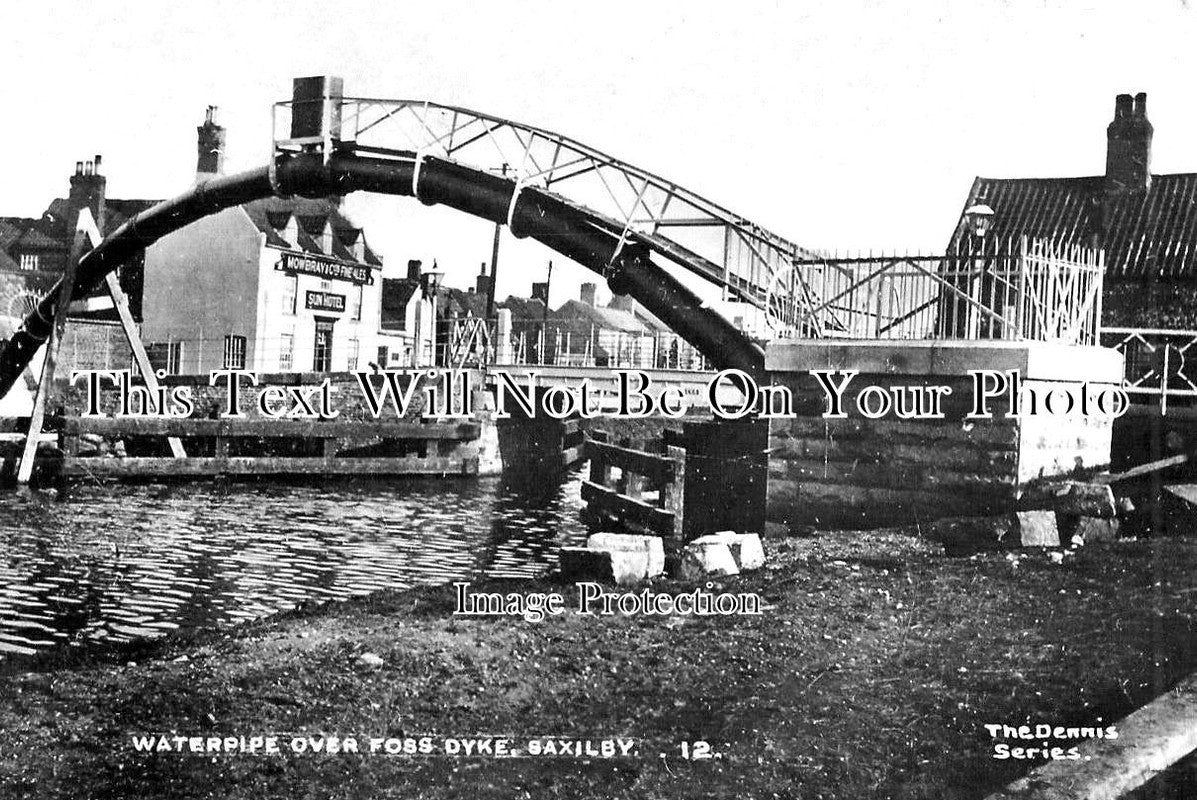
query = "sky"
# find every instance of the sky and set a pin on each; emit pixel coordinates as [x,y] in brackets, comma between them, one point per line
[844,125]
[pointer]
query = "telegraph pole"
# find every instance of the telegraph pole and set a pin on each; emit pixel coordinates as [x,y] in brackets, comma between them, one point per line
[494,264]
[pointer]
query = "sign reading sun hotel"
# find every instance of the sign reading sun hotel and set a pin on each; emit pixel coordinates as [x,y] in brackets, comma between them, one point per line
[324,301]
[324,268]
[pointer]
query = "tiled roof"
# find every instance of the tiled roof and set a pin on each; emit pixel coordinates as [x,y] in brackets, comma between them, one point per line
[1151,233]
[116,213]
[271,215]
[524,308]
[23,233]
[603,318]
[395,295]
[460,302]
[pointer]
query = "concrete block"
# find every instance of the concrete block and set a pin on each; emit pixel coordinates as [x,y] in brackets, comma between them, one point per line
[745,548]
[1072,497]
[634,557]
[708,558]
[970,534]
[1097,529]
[1037,528]
[583,564]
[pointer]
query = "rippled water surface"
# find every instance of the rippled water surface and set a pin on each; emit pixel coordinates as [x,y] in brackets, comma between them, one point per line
[106,564]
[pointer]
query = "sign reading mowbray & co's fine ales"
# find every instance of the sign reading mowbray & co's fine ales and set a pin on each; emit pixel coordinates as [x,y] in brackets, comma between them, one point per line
[324,268]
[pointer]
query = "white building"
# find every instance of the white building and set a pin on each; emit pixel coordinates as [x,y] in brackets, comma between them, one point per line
[274,285]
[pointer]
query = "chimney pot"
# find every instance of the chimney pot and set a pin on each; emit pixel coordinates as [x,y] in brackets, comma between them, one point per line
[98,159]
[78,167]
[1141,104]
[1123,106]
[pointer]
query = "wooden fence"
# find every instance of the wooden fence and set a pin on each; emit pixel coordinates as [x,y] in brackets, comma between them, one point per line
[627,499]
[266,447]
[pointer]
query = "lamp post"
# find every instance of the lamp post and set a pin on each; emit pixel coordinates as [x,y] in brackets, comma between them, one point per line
[978,218]
[430,284]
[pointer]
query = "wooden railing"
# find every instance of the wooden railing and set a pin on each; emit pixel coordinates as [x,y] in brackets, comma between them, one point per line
[627,499]
[266,447]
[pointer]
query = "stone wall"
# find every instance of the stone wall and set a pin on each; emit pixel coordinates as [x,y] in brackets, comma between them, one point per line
[861,472]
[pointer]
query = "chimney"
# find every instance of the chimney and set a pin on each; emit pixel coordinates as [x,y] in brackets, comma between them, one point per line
[622,302]
[586,295]
[87,191]
[482,282]
[210,137]
[1128,151]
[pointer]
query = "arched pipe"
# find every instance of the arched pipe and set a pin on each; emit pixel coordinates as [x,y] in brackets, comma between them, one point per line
[571,230]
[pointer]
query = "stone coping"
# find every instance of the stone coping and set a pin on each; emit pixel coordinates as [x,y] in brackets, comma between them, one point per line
[1035,360]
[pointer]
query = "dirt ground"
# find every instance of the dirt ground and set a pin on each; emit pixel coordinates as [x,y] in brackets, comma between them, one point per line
[871,674]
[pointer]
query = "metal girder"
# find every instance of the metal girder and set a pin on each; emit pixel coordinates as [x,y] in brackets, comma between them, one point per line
[678,225]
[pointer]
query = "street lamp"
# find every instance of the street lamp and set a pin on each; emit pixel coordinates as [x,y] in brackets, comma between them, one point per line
[430,284]
[978,218]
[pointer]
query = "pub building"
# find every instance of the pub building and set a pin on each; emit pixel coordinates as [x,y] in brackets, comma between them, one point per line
[273,285]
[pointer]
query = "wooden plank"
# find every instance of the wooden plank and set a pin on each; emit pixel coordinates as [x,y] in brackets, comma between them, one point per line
[1149,741]
[234,428]
[650,465]
[121,303]
[66,286]
[43,438]
[1143,469]
[602,500]
[571,456]
[245,465]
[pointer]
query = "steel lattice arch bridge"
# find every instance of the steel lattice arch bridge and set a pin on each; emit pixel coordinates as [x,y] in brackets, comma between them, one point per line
[521,165]
[617,219]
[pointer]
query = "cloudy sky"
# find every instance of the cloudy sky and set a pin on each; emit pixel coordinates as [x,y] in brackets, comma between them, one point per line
[837,125]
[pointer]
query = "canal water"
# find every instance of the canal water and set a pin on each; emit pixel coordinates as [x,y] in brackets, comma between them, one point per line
[101,565]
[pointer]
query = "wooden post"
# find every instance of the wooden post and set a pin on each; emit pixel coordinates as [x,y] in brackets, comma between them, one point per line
[62,303]
[600,471]
[623,481]
[672,496]
[121,303]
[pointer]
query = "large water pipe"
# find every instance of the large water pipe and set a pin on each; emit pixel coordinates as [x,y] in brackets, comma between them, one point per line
[572,230]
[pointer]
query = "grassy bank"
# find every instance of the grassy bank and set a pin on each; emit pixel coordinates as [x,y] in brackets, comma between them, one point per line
[871,673]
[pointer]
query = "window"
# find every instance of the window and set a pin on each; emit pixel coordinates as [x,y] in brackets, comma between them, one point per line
[354,347]
[165,356]
[382,356]
[286,352]
[29,261]
[234,352]
[326,240]
[356,310]
[290,292]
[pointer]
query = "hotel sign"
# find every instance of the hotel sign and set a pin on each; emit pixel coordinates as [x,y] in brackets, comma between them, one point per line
[324,301]
[324,268]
